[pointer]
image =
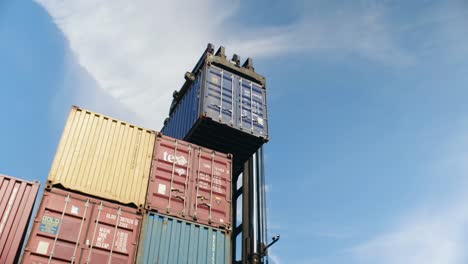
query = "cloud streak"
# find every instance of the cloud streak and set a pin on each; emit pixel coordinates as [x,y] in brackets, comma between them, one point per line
[435,232]
[432,238]
[137,51]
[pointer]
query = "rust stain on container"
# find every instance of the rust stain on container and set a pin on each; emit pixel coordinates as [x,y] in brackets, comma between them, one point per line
[104,157]
[190,182]
[17,198]
[74,228]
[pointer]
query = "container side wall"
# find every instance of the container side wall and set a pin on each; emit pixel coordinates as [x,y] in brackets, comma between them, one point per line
[17,198]
[186,113]
[103,157]
[167,240]
[72,227]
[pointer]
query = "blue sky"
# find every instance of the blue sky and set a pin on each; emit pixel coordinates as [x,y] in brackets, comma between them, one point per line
[367,105]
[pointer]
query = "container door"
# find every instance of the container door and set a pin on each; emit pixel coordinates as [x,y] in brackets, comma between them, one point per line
[112,236]
[168,190]
[59,230]
[252,111]
[211,200]
[220,95]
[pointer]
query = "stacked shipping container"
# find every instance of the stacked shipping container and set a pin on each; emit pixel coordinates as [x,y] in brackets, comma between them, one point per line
[109,179]
[107,173]
[74,228]
[189,205]
[17,198]
[167,240]
[190,182]
[91,210]
[104,157]
[221,106]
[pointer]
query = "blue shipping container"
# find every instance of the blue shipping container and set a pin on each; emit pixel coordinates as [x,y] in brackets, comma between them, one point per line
[167,240]
[222,107]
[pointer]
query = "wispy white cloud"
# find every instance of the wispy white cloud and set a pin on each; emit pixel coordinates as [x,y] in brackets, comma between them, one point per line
[435,231]
[137,51]
[433,238]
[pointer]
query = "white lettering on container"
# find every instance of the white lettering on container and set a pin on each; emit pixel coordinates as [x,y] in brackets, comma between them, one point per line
[217,183]
[180,160]
[111,216]
[125,222]
[121,242]
[102,236]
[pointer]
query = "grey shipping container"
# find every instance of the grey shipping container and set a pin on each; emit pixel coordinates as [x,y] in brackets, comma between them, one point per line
[167,240]
[17,198]
[221,106]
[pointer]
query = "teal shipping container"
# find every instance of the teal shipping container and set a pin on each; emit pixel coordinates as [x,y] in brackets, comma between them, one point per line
[167,240]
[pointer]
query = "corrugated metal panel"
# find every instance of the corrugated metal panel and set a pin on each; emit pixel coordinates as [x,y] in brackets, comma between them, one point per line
[232,100]
[222,111]
[74,228]
[190,182]
[187,112]
[226,98]
[17,198]
[104,157]
[167,240]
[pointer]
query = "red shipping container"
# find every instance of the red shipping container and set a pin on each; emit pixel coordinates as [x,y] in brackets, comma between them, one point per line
[74,228]
[190,182]
[17,198]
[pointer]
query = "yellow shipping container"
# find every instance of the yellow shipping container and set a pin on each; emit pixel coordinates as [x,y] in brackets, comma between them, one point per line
[104,157]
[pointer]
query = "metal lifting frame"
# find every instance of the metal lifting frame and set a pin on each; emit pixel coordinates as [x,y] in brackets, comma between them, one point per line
[253,228]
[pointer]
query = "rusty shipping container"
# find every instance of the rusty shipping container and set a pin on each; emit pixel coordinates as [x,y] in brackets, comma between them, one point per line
[17,198]
[103,157]
[190,182]
[75,228]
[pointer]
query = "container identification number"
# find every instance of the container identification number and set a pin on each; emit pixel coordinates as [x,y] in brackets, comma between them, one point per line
[49,225]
